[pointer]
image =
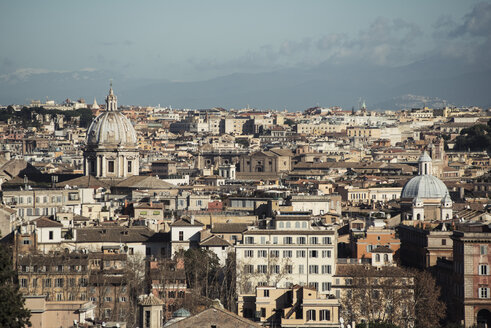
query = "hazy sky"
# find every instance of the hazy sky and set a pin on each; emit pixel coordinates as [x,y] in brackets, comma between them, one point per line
[196,40]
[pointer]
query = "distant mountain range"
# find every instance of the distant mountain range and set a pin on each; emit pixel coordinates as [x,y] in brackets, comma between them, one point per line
[432,82]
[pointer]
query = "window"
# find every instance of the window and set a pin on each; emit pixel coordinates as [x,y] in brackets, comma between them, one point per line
[297,225]
[483,270]
[326,240]
[301,240]
[287,253]
[59,282]
[262,269]
[326,253]
[47,282]
[130,168]
[288,269]
[35,282]
[324,315]
[313,240]
[248,268]
[326,269]
[110,166]
[266,293]
[386,258]
[300,253]
[23,282]
[281,225]
[377,257]
[304,225]
[274,253]
[51,235]
[287,240]
[181,235]
[59,297]
[311,315]
[326,286]
[483,249]
[301,269]
[275,240]
[483,292]
[444,242]
[248,253]
[262,253]
[249,240]
[313,253]
[263,312]
[313,269]
[275,269]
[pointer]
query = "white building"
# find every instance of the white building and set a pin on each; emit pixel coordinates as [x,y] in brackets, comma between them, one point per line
[185,233]
[296,251]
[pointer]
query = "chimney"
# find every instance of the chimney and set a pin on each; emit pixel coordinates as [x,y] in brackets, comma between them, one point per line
[192,219]
[461,192]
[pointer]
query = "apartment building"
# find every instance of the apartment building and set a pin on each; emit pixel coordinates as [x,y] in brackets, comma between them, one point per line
[76,276]
[33,203]
[293,250]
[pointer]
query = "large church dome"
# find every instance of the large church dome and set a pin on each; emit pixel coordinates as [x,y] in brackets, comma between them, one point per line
[111,128]
[425,185]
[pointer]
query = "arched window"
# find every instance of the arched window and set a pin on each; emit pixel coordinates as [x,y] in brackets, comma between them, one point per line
[288,225]
[418,216]
[377,257]
[281,225]
[297,224]
[386,258]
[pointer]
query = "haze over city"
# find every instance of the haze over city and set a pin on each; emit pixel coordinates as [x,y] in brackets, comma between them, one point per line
[275,54]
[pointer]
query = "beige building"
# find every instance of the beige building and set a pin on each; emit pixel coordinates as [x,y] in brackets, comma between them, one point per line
[368,133]
[54,314]
[290,307]
[271,161]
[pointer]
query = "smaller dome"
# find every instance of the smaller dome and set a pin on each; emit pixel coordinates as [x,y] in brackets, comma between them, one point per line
[424,186]
[182,312]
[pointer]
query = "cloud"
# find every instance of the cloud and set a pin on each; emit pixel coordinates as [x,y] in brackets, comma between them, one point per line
[467,39]
[476,23]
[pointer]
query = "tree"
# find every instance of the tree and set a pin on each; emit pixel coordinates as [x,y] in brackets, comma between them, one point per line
[13,313]
[428,309]
[378,296]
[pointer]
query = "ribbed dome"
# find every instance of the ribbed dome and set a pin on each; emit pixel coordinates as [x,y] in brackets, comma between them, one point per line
[111,128]
[424,186]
